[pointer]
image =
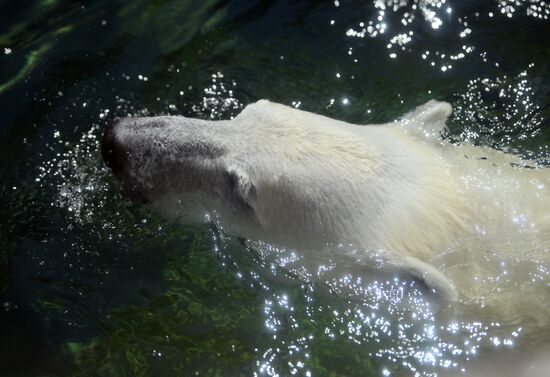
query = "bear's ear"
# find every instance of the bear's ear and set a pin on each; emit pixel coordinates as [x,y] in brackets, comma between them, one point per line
[241,184]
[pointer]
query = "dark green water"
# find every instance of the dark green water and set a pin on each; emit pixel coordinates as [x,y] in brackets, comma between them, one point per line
[91,285]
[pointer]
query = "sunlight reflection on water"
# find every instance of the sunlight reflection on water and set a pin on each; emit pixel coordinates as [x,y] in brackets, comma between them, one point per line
[391,321]
[396,320]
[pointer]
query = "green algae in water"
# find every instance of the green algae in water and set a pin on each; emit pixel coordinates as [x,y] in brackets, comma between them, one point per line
[101,287]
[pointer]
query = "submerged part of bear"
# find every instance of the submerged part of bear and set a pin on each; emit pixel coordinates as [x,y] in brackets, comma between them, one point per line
[305,181]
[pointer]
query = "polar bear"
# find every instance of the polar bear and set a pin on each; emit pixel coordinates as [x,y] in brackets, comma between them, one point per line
[302,180]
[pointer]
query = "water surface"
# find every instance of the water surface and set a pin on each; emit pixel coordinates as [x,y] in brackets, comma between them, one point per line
[92,285]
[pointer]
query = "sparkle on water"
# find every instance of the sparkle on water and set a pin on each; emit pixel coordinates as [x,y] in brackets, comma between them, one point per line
[395,20]
[393,324]
[395,318]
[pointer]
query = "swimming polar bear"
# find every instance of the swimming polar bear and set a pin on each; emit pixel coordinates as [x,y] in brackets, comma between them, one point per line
[305,181]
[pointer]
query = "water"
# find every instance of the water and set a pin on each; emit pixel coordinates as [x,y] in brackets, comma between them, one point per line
[92,285]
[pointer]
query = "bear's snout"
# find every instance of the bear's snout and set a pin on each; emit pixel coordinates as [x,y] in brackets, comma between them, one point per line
[112,151]
[116,156]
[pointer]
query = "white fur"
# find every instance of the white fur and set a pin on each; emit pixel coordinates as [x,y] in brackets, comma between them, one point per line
[303,180]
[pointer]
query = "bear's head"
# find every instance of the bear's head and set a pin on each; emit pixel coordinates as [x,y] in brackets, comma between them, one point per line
[273,172]
[177,161]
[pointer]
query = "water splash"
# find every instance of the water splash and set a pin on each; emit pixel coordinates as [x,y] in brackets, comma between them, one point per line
[499,111]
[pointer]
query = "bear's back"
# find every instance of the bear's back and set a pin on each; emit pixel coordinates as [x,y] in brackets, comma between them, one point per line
[374,186]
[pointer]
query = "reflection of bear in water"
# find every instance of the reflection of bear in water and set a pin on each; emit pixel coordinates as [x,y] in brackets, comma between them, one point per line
[302,180]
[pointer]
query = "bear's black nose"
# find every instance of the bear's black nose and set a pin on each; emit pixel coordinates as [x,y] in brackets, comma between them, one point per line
[112,152]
